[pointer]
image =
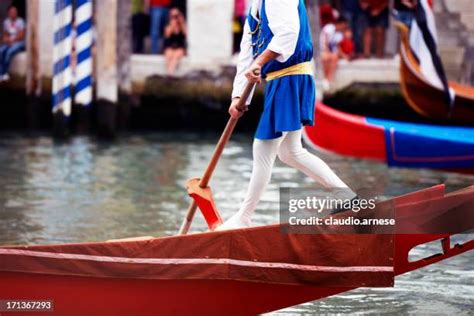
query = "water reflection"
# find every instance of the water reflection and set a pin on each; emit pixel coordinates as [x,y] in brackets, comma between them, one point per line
[85,190]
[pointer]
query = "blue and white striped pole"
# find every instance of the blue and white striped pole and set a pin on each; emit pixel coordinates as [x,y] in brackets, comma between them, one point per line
[83,78]
[62,57]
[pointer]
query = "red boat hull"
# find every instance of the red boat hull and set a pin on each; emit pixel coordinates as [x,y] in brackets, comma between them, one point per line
[82,295]
[346,134]
[92,296]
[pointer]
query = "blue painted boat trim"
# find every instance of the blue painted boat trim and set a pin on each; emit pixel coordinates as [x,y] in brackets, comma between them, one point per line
[429,146]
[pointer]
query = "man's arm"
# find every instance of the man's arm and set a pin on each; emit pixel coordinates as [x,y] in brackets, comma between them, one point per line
[244,62]
[253,72]
[284,22]
[283,17]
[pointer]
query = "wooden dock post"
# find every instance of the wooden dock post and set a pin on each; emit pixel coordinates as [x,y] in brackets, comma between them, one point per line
[106,67]
[33,75]
[124,53]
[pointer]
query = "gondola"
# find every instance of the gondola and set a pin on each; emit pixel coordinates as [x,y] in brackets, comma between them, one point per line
[237,272]
[399,144]
[427,99]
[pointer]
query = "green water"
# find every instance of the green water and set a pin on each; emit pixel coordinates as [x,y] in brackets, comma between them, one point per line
[85,190]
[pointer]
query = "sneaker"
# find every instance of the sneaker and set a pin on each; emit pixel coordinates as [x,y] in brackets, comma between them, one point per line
[235,222]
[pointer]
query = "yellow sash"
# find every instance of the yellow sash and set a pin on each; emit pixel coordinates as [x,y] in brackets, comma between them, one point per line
[305,68]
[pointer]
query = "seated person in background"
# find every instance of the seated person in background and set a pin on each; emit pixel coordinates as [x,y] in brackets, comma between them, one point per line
[330,38]
[347,46]
[376,15]
[175,40]
[405,10]
[13,41]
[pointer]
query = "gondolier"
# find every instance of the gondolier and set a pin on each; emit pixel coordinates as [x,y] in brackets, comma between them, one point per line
[277,46]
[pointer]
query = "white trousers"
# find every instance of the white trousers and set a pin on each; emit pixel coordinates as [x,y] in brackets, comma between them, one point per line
[290,151]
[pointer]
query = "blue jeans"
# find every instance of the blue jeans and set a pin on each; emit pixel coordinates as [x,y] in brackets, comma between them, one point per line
[353,18]
[158,16]
[7,53]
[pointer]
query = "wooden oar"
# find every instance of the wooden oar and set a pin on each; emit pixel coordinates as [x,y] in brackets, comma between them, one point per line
[204,181]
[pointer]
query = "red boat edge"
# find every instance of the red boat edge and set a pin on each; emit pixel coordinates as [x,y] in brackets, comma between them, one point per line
[264,289]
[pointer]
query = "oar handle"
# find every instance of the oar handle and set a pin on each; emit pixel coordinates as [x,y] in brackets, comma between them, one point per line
[226,134]
[186,225]
[224,139]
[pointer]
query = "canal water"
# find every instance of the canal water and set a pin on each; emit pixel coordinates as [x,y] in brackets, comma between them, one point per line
[86,190]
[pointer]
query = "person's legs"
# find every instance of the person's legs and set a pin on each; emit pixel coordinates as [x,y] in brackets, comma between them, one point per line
[333,66]
[136,36]
[356,31]
[10,53]
[264,155]
[292,153]
[162,24]
[362,23]
[168,57]
[178,54]
[382,21]
[380,42]
[329,61]
[3,50]
[158,18]
[367,42]
[289,150]
[349,16]
[326,60]
[143,31]
[173,56]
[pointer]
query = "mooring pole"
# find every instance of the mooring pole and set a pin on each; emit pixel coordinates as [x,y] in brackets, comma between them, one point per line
[33,75]
[84,65]
[106,63]
[315,22]
[124,53]
[62,73]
